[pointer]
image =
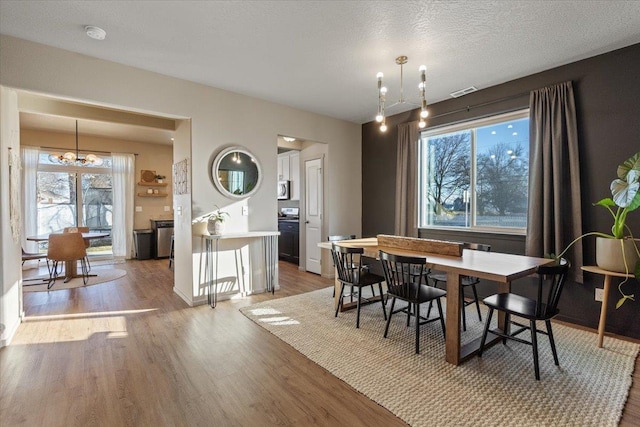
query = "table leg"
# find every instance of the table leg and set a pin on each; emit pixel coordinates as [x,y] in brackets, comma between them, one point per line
[603,309]
[503,288]
[70,270]
[452,319]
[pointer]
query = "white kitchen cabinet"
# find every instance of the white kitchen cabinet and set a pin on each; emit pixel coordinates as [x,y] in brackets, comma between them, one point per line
[289,170]
[283,167]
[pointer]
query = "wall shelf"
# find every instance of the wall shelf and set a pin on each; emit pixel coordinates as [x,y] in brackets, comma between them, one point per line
[153,184]
[152,195]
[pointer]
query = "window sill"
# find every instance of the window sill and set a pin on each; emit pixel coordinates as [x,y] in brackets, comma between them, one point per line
[493,231]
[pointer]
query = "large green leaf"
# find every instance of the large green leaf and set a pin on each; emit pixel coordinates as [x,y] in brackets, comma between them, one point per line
[632,163]
[624,192]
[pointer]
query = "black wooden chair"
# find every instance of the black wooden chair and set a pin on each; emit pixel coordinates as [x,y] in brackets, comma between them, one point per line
[337,238]
[544,307]
[350,273]
[465,282]
[407,281]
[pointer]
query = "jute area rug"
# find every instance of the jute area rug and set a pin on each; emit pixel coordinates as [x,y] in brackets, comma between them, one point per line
[103,274]
[589,388]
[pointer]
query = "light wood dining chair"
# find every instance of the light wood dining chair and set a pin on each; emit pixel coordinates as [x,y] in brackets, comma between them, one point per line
[87,243]
[66,247]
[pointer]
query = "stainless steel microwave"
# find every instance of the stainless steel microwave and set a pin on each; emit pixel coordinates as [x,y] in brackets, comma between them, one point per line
[283,190]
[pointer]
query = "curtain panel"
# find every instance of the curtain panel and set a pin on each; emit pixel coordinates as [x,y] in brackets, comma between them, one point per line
[555,213]
[123,170]
[29,196]
[406,222]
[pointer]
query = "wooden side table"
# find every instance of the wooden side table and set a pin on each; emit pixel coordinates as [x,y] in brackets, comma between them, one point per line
[605,298]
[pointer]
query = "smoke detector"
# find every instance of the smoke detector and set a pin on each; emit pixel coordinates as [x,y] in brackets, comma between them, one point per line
[94,32]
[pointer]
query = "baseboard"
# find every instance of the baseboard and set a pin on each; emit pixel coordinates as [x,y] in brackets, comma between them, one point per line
[9,332]
[186,298]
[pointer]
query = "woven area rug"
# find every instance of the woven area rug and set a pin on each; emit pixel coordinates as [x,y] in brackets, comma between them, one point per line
[589,388]
[103,274]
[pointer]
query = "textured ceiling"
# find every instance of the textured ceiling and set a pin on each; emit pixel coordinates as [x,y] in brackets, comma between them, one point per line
[323,56]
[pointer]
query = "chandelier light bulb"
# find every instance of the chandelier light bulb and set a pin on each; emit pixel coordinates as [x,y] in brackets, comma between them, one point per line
[424,114]
[379,118]
[379,75]
[422,124]
[69,156]
[383,127]
[422,68]
[383,90]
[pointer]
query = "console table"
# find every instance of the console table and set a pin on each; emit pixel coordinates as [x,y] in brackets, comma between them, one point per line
[211,246]
[605,297]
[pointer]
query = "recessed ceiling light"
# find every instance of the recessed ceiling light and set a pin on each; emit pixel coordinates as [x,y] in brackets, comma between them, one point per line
[515,133]
[288,138]
[493,132]
[94,32]
[509,127]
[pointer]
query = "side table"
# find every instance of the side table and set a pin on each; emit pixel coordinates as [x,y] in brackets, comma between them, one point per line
[605,298]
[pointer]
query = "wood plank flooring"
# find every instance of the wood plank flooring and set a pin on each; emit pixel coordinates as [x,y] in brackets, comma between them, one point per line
[131,352]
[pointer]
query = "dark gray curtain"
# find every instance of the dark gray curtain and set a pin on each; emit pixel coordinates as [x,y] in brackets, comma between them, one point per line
[554,214]
[407,181]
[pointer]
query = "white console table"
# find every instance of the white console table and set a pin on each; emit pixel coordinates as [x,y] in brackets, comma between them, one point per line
[210,245]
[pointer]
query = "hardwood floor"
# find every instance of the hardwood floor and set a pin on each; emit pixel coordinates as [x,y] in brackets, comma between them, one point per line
[131,352]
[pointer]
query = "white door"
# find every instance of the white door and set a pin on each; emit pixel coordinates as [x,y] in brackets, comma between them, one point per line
[313,214]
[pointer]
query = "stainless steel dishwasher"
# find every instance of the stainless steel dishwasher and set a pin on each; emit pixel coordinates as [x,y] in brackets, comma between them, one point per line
[162,232]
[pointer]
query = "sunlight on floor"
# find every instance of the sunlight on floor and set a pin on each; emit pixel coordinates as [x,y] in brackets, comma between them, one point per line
[279,321]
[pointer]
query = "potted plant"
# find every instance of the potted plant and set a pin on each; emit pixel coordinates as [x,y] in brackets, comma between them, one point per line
[619,250]
[159,178]
[215,221]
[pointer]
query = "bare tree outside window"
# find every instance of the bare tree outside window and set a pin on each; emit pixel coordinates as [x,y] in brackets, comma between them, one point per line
[476,176]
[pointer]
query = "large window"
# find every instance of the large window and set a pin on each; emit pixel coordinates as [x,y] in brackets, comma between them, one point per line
[75,195]
[475,175]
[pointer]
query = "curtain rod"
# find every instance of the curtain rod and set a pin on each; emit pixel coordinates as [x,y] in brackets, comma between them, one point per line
[470,107]
[92,151]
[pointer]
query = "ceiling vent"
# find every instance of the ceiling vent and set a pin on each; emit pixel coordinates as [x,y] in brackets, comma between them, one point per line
[459,93]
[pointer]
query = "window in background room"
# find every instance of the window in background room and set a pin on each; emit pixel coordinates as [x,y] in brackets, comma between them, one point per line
[75,195]
[475,175]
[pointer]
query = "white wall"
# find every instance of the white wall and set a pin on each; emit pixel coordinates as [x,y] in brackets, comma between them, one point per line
[10,272]
[218,118]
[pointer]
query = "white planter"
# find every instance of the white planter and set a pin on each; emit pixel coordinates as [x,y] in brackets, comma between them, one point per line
[215,227]
[609,254]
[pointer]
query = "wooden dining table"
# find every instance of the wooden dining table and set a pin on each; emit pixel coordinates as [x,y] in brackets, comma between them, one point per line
[70,267]
[498,267]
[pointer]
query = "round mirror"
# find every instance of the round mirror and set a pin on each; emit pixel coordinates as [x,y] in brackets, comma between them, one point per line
[236,172]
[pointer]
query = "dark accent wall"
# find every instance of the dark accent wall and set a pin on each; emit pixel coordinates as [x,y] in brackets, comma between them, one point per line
[607,92]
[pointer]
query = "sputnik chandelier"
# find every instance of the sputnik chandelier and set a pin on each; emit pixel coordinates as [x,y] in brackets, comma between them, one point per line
[382,92]
[71,158]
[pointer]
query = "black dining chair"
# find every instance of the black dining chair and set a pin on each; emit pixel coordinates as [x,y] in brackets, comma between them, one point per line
[544,307]
[337,238]
[465,282]
[351,273]
[407,280]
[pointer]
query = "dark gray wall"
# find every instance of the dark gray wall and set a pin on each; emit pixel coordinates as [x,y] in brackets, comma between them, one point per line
[607,92]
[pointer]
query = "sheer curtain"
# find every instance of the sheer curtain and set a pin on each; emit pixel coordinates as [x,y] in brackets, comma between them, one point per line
[29,196]
[555,214]
[123,170]
[407,180]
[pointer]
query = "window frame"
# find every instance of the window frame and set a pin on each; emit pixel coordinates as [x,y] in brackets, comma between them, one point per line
[471,126]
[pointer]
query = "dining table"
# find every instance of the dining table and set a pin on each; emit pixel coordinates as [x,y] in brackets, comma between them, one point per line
[501,268]
[70,267]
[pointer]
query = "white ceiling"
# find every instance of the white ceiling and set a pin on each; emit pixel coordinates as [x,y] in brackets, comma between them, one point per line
[323,56]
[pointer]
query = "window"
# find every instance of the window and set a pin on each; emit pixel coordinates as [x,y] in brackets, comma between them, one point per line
[475,175]
[75,195]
